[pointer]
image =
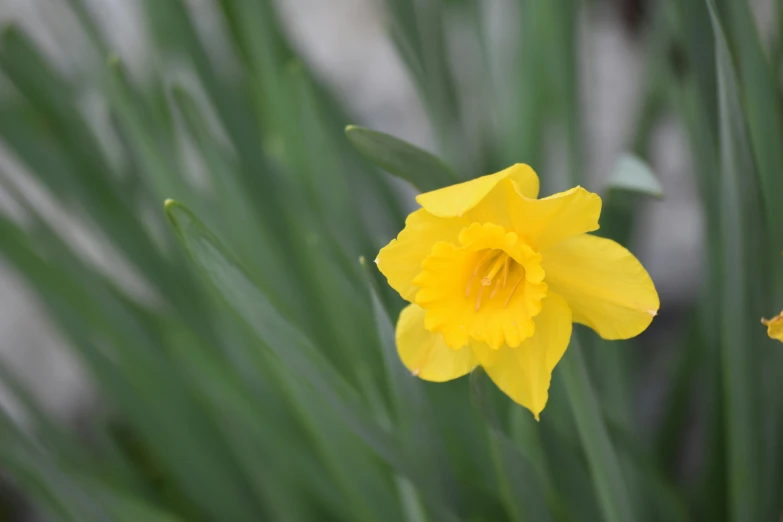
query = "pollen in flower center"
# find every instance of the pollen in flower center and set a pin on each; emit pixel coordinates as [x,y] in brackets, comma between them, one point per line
[498,266]
[487,289]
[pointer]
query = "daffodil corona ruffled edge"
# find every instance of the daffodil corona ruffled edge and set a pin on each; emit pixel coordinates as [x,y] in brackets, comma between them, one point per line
[496,276]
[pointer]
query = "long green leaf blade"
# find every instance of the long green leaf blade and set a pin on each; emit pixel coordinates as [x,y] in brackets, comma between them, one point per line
[604,465]
[423,170]
[293,349]
[760,98]
[520,486]
[737,357]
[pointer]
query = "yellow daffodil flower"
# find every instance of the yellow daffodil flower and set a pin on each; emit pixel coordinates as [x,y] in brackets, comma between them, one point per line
[774,327]
[495,277]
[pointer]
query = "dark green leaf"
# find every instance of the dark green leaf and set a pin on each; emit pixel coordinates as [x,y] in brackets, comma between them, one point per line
[739,359]
[413,416]
[294,350]
[604,466]
[520,484]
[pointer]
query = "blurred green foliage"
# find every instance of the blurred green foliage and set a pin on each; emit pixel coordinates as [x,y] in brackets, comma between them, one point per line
[245,363]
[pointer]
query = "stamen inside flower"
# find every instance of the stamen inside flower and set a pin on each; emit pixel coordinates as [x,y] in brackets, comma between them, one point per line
[497,311]
[511,294]
[486,256]
[500,260]
[495,259]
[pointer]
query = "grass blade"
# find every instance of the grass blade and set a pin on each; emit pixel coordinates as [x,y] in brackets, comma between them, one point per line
[520,485]
[293,349]
[738,358]
[760,98]
[423,170]
[604,466]
[413,418]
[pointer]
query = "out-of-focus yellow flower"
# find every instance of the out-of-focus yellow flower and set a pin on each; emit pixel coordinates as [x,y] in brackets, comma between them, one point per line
[495,278]
[774,327]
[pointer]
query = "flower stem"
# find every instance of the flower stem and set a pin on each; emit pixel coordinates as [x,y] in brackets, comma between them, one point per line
[601,457]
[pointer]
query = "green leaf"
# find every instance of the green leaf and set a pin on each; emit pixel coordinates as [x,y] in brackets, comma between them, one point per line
[602,459]
[52,109]
[520,485]
[289,345]
[423,170]
[760,99]
[739,358]
[232,204]
[123,507]
[561,64]
[45,482]
[418,31]
[662,501]
[85,307]
[146,134]
[630,178]
[696,102]
[412,419]
[632,174]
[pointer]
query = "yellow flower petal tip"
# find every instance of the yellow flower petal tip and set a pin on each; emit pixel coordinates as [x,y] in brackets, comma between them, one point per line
[774,327]
[496,277]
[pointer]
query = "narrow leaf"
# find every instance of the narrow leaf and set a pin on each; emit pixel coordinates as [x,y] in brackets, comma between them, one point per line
[520,487]
[294,350]
[761,103]
[413,418]
[602,459]
[737,355]
[420,168]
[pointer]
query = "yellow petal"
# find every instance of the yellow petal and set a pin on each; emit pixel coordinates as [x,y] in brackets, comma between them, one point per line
[774,327]
[485,355]
[605,286]
[400,260]
[425,354]
[524,373]
[455,200]
[546,222]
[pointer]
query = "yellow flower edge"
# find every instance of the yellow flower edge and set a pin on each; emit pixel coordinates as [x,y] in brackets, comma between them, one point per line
[496,277]
[774,327]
